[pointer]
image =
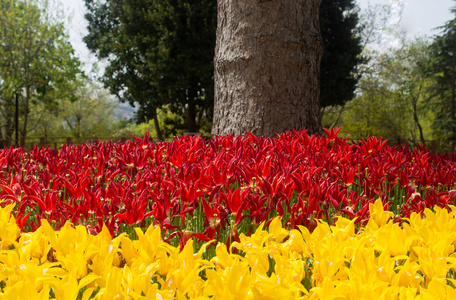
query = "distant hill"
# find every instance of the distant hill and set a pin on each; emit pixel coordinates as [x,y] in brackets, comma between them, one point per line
[124,111]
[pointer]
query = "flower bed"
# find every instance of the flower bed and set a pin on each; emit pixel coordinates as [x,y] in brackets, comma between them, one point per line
[296,216]
[382,259]
[219,188]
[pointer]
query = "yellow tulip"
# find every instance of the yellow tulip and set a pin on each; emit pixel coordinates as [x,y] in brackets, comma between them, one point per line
[66,288]
[407,274]
[437,289]
[383,260]
[23,290]
[295,245]
[378,216]
[238,281]
[9,230]
[276,230]
[223,259]
[327,290]
[34,245]
[113,288]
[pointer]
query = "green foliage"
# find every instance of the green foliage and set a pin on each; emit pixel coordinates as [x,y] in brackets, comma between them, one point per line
[126,129]
[171,124]
[377,112]
[37,61]
[161,52]
[91,114]
[404,90]
[128,74]
[88,115]
[158,52]
[342,54]
[394,98]
[443,68]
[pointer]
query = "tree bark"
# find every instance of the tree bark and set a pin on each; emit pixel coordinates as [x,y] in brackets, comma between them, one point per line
[267,67]
[157,127]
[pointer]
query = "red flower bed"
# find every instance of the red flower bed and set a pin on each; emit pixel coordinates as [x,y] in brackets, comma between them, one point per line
[218,188]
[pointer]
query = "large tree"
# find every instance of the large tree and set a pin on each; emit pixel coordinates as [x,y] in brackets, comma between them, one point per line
[158,52]
[128,74]
[267,67]
[37,62]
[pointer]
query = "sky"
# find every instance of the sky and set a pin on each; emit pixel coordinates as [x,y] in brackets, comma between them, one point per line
[419,18]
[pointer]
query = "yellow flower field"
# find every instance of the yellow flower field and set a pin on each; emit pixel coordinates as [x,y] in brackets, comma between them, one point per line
[414,260]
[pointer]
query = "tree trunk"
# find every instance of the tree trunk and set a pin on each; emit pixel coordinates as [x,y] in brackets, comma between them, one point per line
[191,118]
[267,67]
[417,121]
[25,115]
[10,108]
[157,127]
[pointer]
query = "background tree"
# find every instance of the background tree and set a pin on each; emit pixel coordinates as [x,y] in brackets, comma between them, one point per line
[378,111]
[37,62]
[444,64]
[191,53]
[409,74]
[374,27]
[158,52]
[342,51]
[127,73]
[267,67]
[89,114]
[394,98]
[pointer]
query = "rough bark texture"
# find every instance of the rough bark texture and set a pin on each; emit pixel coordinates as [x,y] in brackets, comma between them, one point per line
[267,66]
